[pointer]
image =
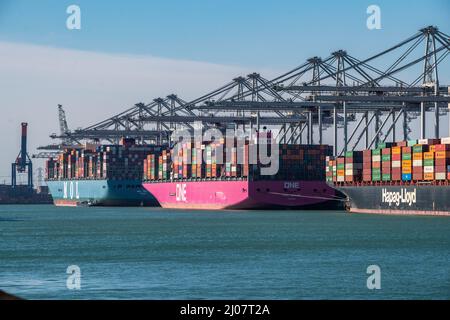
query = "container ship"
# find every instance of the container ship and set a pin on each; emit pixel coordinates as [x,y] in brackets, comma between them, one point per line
[403,178]
[107,175]
[23,194]
[226,179]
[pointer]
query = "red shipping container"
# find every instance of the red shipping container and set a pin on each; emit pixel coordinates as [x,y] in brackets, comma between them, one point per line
[440,168]
[386,151]
[396,157]
[376,165]
[441,162]
[442,147]
[402,144]
[417,170]
[406,149]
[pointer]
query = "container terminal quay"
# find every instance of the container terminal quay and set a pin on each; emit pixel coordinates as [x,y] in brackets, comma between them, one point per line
[377,109]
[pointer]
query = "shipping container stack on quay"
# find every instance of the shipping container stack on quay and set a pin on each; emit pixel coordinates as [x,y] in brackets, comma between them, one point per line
[406,177]
[221,175]
[100,175]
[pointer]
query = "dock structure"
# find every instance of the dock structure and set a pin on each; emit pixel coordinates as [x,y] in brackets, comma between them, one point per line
[361,101]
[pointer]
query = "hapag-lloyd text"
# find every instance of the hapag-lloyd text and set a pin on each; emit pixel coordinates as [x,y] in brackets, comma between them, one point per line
[402,196]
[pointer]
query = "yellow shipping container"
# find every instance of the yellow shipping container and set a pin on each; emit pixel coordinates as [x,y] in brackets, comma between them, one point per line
[428,155]
[407,170]
[406,163]
[428,176]
[418,156]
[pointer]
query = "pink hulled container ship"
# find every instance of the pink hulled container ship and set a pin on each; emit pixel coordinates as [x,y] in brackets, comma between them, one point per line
[199,176]
[243,194]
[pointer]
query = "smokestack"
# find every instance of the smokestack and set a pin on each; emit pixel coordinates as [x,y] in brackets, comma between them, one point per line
[23,151]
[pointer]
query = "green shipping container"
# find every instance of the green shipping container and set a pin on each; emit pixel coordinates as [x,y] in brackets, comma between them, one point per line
[419,148]
[349,154]
[386,157]
[376,171]
[340,166]
[406,156]
[376,177]
[386,177]
[428,162]
[376,152]
[411,143]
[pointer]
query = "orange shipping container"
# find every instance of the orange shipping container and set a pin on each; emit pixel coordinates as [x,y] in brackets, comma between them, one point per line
[418,156]
[442,154]
[396,150]
[428,155]
[432,148]
[406,163]
[406,170]
[428,176]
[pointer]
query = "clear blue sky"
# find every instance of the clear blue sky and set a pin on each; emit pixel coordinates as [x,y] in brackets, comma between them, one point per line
[277,34]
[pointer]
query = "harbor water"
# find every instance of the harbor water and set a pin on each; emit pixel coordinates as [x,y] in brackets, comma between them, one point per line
[153,253]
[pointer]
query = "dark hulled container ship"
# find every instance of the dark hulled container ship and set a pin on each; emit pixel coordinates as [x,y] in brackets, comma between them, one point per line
[403,178]
[407,199]
[24,195]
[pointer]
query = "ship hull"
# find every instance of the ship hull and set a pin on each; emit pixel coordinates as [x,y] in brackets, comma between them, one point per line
[398,200]
[242,194]
[100,193]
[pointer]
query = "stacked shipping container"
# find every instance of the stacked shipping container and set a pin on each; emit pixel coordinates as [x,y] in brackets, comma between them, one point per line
[114,162]
[405,161]
[230,158]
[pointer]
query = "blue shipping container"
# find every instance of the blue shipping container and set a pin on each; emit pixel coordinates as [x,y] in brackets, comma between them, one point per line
[406,177]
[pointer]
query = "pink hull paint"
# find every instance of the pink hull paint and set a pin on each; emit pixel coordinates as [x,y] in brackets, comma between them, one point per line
[242,194]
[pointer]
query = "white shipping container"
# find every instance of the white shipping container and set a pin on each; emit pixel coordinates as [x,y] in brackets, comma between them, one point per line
[417,163]
[349,166]
[340,178]
[445,140]
[376,158]
[428,169]
[422,141]
[440,176]
[396,164]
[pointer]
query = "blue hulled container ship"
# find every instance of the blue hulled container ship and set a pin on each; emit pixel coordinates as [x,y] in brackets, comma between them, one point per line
[100,175]
[105,192]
